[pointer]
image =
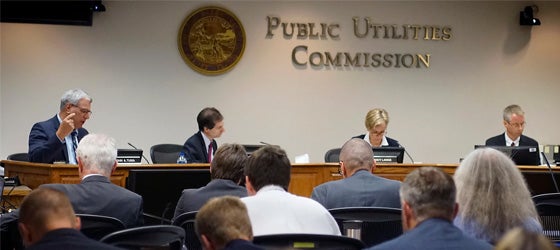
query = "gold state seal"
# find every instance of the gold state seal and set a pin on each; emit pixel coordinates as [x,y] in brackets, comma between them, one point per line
[211,40]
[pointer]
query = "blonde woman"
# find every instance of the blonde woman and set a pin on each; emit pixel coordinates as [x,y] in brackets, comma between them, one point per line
[376,124]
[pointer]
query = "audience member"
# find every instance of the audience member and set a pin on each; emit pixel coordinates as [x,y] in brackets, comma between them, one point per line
[95,194]
[376,122]
[47,221]
[226,171]
[223,223]
[493,196]
[359,188]
[521,239]
[199,147]
[271,208]
[428,208]
[55,139]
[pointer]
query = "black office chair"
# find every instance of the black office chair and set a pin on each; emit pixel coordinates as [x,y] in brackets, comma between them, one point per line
[548,208]
[97,226]
[159,236]
[307,241]
[332,155]
[18,157]
[165,153]
[377,224]
[186,221]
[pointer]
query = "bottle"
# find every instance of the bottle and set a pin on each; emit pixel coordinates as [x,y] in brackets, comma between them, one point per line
[182,159]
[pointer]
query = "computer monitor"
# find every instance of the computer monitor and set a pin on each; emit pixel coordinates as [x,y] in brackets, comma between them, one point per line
[521,155]
[388,154]
[161,188]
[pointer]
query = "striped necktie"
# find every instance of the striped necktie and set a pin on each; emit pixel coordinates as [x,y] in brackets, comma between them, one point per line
[75,144]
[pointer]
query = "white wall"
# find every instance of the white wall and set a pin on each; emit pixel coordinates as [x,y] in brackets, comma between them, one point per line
[144,93]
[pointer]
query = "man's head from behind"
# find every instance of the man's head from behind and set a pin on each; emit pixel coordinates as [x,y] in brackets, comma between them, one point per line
[229,163]
[44,210]
[268,165]
[356,154]
[426,193]
[514,121]
[211,122]
[222,220]
[97,154]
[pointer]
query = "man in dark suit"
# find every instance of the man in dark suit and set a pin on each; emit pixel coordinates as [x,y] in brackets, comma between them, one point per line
[95,194]
[54,140]
[227,174]
[514,122]
[200,147]
[359,187]
[428,208]
[47,221]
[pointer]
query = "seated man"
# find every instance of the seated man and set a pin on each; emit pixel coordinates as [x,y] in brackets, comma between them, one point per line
[47,221]
[428,209]
[226,171]
[95,194]
[199,147]
[271,208]
[359,188]
[223,223]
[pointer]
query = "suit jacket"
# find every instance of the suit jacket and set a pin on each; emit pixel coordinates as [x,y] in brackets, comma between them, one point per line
[68,238]
[193,199]
[500,140]
[44,145]
[434,234]
[241,245]
[363,189]
[195,149]
[392,142]
[97,195]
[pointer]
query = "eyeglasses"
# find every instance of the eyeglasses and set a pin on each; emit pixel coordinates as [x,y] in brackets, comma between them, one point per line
[517,125]
[380,133]
[83,110]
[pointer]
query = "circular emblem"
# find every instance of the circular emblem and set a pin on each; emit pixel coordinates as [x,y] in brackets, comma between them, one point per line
[211,40]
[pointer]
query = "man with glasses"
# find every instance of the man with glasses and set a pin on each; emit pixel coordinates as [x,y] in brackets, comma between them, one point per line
[514,122]
[56,139]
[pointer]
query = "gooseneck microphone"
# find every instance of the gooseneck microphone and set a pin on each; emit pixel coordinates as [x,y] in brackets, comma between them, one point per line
[406,152]
[146,159]
[550,171]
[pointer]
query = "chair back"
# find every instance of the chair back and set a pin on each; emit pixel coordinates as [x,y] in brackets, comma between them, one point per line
[158,236]
[165,153]
[376,224]
[97,226]
[548,208]
[307,241]
[186,221]
[332,155]
[18,157]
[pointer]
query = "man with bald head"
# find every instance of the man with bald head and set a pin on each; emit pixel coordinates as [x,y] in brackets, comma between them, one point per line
[359,186]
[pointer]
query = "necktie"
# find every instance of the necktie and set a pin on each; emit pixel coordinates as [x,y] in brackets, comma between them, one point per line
[210,152]
[75,144]
[512,144]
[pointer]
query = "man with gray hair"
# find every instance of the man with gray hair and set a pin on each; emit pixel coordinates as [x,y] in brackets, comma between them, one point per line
[95,194]
[428,208]
[56,139]
[359,187]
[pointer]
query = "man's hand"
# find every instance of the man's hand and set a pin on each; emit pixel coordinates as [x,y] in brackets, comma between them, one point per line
[66,126]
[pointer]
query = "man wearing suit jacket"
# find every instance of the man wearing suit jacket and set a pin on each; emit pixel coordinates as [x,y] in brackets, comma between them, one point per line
[54,140]
[47,221]
[428,208]
[95,194]
[227,174]
[514,122]
[198,146]
[359,187]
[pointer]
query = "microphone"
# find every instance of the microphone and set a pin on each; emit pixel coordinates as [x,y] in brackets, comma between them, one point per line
[406,152]
[146,159]
[268,144]
[550,171]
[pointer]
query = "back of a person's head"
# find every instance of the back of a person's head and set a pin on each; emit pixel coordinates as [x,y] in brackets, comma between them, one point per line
[430,192]
[229,162]
[521,239]
[46,209]
[492,193]
[98,153]
[268,165]
[356,154]
[224,219]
